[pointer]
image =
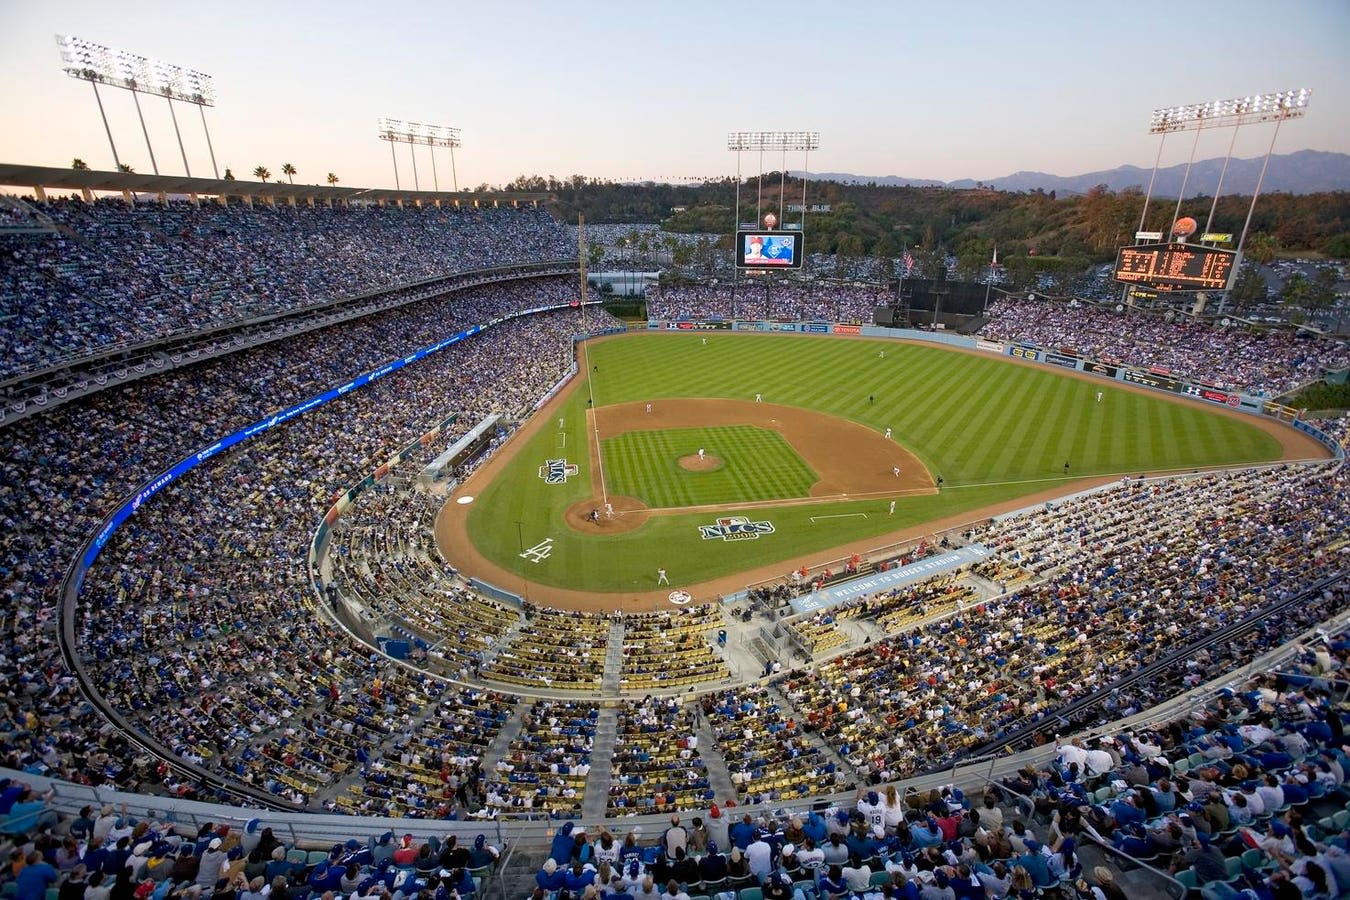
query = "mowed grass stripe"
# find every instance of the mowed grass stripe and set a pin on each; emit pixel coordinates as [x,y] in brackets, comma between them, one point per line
[757,464]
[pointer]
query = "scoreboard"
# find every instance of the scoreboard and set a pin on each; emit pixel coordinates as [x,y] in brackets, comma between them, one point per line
[1175,267]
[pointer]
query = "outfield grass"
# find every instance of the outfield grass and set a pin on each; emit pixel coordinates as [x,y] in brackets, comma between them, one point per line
[994,430]
[757,464]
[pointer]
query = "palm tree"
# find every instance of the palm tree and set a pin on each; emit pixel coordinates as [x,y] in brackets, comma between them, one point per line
[289,171]
[78,163]
[126,168]
[229,175]
[262,174]
[332,179]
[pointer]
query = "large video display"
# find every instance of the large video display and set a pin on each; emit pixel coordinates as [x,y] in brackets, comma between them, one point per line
[769,250]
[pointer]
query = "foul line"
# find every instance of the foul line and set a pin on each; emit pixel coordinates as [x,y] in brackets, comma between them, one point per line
[840,516]
[595,424]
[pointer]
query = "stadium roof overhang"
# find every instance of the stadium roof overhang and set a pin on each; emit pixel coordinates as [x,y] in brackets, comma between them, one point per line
[51,178]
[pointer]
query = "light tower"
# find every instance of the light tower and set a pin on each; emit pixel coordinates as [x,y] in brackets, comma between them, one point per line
[100,64]
[396,131]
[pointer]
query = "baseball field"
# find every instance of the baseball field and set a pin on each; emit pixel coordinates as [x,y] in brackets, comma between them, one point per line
[723,457]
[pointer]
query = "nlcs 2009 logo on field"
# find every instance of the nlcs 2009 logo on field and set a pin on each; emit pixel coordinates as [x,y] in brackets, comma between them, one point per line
[735,528]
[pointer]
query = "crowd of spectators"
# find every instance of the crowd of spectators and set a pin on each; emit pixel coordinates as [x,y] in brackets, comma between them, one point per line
[1225,796]
[116,274]
[198,621]
[558,649]
[671,649]
[230,542]
[1268,363]
[1129,577]
[546,766]
[384,559]
[816,301]
[105,852]
[66,469]
[656,764]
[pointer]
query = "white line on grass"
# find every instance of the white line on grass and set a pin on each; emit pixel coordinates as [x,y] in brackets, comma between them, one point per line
[840,516]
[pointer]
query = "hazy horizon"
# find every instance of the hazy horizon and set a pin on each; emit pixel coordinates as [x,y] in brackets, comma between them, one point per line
[613,91]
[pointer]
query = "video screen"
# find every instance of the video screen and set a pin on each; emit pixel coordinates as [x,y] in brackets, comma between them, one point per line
[769,249]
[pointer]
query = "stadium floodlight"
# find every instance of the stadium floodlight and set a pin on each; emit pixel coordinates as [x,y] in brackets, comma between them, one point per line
[1272,107]
[101,64]
[1253,109]
[396,131]
[740,141]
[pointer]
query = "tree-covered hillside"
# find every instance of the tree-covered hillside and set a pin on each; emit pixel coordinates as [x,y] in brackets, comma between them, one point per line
[867,220]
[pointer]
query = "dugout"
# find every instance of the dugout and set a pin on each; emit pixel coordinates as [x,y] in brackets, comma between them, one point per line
[464,450]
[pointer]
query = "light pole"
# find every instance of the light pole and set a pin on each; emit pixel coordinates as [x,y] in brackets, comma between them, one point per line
[741,141]
[396,131]
[1253,109]
[100,64]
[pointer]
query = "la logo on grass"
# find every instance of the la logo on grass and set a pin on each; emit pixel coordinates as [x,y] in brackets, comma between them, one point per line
[735,528]
[557,471]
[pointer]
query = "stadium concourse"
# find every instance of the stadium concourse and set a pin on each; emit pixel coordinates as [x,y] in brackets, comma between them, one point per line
[196,661]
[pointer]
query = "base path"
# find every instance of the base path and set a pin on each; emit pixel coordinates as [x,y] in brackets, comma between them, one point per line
[850,459]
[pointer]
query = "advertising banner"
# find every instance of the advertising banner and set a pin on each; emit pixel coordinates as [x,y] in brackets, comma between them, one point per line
[991,346]
[1024,353]
[847,329]
[1150,379]
[1055,359]
[1102,369]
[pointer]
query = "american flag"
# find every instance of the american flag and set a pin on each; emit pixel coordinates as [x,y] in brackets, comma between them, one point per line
[909,262]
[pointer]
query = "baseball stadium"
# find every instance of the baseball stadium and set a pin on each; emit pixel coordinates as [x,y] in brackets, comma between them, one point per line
[363,542]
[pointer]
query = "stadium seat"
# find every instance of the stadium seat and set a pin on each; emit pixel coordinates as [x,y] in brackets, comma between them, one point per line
[1187,879]
[750,893]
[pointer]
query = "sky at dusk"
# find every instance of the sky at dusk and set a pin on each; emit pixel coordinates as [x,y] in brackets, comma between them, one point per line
[649,90]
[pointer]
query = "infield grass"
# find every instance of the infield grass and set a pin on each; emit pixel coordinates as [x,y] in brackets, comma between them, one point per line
[756,464]
[993,429]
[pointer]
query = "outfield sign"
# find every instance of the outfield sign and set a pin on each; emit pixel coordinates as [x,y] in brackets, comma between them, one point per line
[991,346]
[891,580]
[735,528]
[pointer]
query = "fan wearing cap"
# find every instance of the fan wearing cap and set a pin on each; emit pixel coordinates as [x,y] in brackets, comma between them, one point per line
[778,886]
[1207,860]
[211,866]
[873,811]
[406,854]
[483,853]
[713,865]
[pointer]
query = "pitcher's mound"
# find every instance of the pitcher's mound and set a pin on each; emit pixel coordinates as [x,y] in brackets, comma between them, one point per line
[708,463]
[630,513]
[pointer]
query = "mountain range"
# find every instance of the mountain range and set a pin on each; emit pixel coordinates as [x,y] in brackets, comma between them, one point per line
[1301,172]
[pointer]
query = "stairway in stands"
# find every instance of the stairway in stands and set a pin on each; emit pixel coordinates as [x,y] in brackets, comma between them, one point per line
[609,685]
[602,761]
[510,730]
